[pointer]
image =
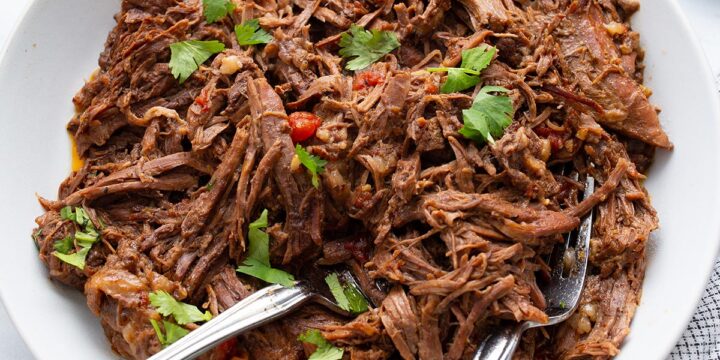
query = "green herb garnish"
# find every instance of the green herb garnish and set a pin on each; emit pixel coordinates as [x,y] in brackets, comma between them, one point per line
[172,333]
[215,10]
[76,259]
[250,33]
[474,61]
[64,246]
[257,264]
[347,296]
[313,163]
[366,47]
[187,56]
[325,350]
[183,313]
[36,238]
[83,239]
[489,115]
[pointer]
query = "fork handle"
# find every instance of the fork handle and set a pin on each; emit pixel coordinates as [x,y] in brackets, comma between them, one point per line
[257,309]
[501,344]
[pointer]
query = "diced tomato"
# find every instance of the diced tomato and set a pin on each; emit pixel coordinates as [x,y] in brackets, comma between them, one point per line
[303,125]
[359,249]
[555,142]
[555,137]
[226,350]
[431,89]
[202,101]
[543,131]
[367,79]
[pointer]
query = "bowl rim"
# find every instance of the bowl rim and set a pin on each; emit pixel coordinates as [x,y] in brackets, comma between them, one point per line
[710,86]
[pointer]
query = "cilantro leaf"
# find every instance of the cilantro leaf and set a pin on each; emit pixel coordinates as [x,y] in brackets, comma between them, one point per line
[215,10]
[250,33]
[84,239]
[64,246]
[266,273]
[183,313]
[347,296]
[81,217]
[366,47]
[325,350]
[474,61]
[489,115]
[36,238]
[172,334]
[187,56]
[257,264]
[478,58]
[458,80]
[313,163]
[76,259]
[259,240]
[337,291]
[67,213]
[158,332]
[358,303]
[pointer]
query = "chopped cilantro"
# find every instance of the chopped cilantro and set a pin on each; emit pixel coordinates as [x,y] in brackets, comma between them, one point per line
[313,163]
[562,305]
[215,10]
[478,58]
[183,313]
[250,33]
[337,290]
[257,264]
[64,246]
[358,303]
[67,213]
[467,75]
[76,259]
[347,296]
[172,334]
[36,238]
[366,47]
[187,56]
[84,239]
[81,217]
[489,115]
[325,350]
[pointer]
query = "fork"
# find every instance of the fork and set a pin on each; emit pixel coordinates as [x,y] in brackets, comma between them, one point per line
[562,292]
[262,307]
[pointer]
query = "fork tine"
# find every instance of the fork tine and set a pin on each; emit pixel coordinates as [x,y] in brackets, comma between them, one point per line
[582,243]
[566,169]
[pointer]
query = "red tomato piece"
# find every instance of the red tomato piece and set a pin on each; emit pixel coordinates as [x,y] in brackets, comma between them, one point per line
[225,350]
[202,101]
[555,137]
[303,125]
[367,79]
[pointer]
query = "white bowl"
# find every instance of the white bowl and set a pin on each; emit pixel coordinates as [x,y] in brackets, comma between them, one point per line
[58,43]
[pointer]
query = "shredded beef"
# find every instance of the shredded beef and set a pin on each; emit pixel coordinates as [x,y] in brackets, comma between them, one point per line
[456,230]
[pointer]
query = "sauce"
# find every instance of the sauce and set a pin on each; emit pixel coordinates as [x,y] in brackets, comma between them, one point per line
[76,162]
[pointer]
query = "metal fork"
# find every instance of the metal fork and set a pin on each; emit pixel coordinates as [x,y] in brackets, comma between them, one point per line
[260,308]
[562,292]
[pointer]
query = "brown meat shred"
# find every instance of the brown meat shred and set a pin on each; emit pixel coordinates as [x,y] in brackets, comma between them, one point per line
[448,237]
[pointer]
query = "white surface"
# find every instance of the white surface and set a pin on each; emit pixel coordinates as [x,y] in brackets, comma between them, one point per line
[65,54]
